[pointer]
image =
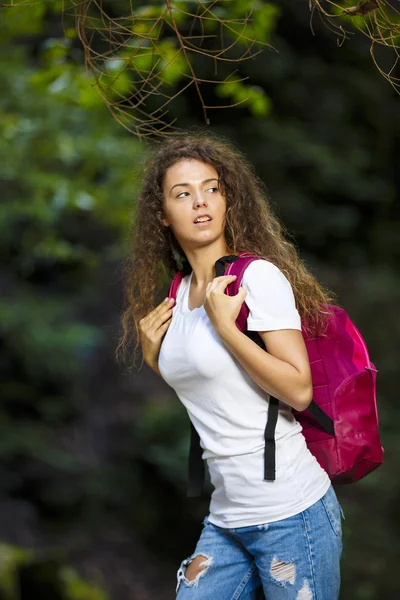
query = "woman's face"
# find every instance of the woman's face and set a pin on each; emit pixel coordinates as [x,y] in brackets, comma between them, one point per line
[191,188]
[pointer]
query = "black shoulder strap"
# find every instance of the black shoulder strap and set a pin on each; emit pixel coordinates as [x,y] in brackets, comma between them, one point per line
[269,436]
[195,465]
[322,418]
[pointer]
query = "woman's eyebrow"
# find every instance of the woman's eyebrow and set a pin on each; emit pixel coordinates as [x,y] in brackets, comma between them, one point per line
[188,184]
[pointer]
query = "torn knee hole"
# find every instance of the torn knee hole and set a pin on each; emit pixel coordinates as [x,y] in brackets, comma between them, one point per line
[198,564]
[192,569]
[282,571]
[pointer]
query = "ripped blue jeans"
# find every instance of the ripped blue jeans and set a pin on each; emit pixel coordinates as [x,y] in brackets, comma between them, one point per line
[293,559]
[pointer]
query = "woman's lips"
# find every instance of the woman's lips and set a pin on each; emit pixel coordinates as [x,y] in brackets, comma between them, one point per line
[202,223]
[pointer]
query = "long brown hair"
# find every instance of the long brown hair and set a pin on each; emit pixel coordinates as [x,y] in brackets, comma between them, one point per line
[250,226]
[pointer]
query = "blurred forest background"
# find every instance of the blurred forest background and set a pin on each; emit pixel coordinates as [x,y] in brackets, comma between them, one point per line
[92,456]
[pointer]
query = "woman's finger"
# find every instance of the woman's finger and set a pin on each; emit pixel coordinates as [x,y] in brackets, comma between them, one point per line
[221,281]
[157,313]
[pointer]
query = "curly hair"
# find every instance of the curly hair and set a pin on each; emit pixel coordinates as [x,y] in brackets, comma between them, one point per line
[250,226]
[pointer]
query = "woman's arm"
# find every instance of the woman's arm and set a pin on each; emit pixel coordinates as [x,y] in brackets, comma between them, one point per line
[283,371]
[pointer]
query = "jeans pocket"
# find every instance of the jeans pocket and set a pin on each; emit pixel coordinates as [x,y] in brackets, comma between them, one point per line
[333,511]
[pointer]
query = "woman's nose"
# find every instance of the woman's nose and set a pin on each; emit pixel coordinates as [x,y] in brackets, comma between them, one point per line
[199,200]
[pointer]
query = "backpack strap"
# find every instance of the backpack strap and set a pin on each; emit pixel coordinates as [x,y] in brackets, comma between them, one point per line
[321,417]
[269,437]
[195,465]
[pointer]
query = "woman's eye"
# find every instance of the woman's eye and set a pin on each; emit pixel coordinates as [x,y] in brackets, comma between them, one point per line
[180,195]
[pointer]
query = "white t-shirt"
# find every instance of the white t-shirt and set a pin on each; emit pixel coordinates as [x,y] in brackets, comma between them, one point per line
[229,409]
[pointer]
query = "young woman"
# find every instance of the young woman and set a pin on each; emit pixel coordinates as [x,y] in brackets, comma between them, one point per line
[279,539]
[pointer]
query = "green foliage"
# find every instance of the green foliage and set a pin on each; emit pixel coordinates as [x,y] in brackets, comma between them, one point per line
[178,13]
[79,589]
[158,441]
[172,63]
[68,177]
[264,17]
[169,46]
[47,576]
[19,21]
[11,558]
[252,96]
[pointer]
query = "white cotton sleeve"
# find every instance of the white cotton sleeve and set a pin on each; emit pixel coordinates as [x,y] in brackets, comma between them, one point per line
[269,297]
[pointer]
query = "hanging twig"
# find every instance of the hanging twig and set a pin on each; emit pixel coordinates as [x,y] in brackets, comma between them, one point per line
[132,57]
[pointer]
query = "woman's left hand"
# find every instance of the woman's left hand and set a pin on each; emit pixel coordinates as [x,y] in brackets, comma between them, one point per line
[223,310]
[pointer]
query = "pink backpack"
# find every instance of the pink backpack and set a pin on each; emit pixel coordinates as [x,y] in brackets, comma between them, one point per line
[341,424]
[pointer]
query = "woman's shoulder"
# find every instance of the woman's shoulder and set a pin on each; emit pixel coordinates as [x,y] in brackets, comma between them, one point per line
[270,298]
[264,270]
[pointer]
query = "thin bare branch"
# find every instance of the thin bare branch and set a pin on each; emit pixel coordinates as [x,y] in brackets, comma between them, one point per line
[378,20]
[132,64]
[141,61]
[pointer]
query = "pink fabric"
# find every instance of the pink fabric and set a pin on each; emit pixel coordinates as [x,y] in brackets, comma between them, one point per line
[344,386]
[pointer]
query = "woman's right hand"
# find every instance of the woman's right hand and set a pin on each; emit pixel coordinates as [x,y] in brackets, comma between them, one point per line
[152,328]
